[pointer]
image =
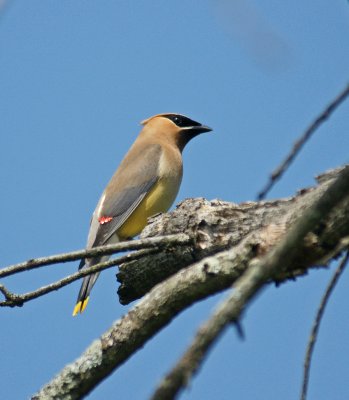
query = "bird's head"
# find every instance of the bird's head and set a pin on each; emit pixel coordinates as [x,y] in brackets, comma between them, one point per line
[175,127]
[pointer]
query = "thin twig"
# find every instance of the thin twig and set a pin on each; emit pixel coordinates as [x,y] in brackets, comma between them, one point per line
[246,288]
[316,325]
[281,169]
[17,300]
[157,242]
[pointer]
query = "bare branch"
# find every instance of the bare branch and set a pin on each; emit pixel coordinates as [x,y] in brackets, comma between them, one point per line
[157,243]
[316,326]
[246,288]
[13,299]
[281,169]
[144,320]
[172,296]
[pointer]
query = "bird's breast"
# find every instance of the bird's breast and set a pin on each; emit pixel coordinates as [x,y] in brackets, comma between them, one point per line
[159,199]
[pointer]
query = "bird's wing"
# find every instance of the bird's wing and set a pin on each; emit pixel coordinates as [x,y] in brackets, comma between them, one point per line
[124,193]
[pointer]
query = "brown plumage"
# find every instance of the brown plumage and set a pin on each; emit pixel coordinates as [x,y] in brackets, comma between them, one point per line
[146,183]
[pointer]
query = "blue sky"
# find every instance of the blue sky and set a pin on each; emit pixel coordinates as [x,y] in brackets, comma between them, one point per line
[76,78]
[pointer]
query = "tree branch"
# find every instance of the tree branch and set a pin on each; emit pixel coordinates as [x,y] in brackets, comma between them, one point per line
[281,169]
[157,243]
[246,288]
[316,326]
[151,246]
[189,285]
[17,300]
[217,226]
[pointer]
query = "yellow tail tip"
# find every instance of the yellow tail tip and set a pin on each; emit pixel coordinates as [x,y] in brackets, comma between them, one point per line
[80,306]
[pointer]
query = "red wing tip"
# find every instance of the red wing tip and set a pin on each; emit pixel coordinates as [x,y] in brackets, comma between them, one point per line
[104,220]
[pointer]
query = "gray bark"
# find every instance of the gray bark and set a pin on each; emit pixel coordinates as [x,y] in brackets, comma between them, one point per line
[227,238]
[217,225]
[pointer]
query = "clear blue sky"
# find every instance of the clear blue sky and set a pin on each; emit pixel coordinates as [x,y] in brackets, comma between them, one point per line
[76,77]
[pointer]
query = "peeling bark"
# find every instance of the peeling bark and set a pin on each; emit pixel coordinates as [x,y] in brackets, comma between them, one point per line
[217,225]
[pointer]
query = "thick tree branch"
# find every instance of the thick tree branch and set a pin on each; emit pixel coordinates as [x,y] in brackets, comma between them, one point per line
[282,256]
[217,226]
[172,296]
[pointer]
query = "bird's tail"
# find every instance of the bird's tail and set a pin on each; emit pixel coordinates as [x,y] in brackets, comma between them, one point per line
[86,287]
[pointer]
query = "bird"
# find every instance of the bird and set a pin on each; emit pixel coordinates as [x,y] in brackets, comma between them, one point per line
[146,183]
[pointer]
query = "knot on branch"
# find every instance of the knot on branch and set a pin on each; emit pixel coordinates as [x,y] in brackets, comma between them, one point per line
[11,299]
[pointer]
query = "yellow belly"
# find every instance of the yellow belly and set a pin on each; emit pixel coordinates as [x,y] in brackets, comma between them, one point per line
[159,199]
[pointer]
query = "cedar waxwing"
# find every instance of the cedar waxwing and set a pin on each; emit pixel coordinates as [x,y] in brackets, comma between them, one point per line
[146,183]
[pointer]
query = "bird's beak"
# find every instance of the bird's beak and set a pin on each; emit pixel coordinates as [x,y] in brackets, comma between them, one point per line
[199,129]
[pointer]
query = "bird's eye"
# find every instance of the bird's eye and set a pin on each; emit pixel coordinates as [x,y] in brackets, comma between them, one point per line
[181,120]
[177,120]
